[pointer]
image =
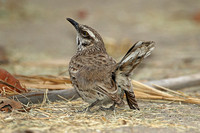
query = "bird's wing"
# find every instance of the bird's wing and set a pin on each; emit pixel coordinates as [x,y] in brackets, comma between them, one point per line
[97,74]
[95,68]
[111,91]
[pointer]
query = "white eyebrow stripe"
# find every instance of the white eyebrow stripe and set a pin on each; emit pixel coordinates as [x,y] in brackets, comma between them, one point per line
[91,34]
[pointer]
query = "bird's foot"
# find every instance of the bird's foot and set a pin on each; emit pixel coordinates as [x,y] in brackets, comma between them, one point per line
[88,109]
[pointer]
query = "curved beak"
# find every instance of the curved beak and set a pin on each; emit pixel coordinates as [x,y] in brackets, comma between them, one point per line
[74,23]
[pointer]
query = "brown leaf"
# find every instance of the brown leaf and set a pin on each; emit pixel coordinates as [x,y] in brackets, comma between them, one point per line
[9,85]
[8,105]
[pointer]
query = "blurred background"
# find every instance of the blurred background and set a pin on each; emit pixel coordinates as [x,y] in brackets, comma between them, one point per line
[35,37]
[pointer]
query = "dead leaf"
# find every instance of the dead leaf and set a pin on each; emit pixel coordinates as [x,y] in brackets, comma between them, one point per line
[9,85]
[8,105]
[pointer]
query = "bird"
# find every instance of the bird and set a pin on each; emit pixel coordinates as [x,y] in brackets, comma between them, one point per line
[97,77]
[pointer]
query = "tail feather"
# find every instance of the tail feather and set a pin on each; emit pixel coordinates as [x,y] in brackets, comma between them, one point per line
[130,97]
[129,62]
[134,56]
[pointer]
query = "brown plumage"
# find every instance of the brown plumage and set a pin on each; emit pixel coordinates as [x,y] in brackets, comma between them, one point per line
[96,76]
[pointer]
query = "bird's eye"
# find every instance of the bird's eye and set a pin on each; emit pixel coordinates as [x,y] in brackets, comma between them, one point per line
[85,34]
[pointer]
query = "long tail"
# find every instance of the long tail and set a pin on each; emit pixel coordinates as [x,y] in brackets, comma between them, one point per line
[134,56]
[129,62]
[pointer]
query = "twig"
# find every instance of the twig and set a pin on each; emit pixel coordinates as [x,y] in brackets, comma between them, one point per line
[178,82]
[37,97]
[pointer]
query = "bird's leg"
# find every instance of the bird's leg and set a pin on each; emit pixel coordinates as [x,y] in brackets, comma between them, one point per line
[91,105]
[112,107]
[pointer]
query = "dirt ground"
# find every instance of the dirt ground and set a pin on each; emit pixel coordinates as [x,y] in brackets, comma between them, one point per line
[36,30]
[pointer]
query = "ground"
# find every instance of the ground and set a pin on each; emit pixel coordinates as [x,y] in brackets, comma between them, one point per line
[61,117]
[36,30]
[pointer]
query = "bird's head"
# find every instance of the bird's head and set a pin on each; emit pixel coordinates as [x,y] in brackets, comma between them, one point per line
[87,38]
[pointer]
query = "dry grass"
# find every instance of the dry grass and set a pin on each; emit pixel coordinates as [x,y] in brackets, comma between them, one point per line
[63,116]
[142,91]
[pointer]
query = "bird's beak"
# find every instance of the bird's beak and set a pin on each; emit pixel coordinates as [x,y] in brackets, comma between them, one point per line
[74,23]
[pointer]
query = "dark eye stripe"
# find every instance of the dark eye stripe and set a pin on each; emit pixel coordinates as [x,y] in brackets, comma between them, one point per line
[84,44]
[78,42]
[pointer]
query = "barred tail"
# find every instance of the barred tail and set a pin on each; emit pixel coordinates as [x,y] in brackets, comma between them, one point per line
[134,56]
